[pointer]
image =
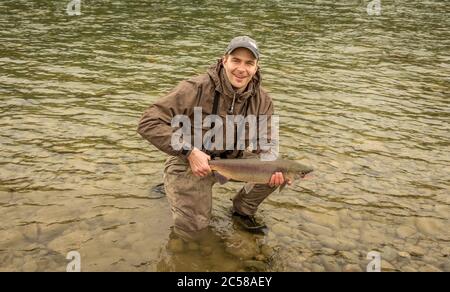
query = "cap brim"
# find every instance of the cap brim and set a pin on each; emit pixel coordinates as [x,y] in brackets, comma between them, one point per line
[250,48]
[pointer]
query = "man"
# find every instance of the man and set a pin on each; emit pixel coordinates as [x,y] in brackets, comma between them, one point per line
[232,86]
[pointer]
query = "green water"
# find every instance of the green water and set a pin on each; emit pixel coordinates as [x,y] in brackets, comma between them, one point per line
[364,99]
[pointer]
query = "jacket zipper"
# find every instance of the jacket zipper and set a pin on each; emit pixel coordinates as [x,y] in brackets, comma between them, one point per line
[231,109]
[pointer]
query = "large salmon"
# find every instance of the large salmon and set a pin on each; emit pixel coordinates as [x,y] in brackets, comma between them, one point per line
[256,171]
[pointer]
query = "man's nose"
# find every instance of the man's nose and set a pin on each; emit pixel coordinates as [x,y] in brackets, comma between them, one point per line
[240,68]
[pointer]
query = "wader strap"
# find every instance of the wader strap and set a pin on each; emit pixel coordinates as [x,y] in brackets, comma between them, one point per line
[216,103]
[215,106]
[214,112]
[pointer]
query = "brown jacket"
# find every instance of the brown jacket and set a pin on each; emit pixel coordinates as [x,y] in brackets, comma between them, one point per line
[155,124]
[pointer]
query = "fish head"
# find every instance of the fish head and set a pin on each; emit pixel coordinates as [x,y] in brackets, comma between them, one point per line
[298,170]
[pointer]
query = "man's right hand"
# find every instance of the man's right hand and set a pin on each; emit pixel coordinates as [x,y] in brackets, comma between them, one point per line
[198,161]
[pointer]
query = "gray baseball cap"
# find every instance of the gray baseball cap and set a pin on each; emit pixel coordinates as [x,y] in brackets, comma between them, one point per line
[243,42]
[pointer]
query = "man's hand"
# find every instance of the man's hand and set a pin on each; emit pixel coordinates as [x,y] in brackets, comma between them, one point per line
[198,161]
[277,179]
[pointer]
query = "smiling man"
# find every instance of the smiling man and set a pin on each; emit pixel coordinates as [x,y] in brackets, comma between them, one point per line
[232,86]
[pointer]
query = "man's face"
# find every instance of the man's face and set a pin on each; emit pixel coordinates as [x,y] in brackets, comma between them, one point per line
[240,67]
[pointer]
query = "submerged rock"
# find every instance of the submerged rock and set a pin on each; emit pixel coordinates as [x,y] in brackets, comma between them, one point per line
[282,229]
[260,257]
[267,251]
[352,268]
[30,266]
[322,219]
[329,242]
[388,253]
[416,250]
[242,247]
[429,268]
[193,246]
[206,250]
[255,265]
[176,245]
[316,229]
[349,256]
[330,264]
[387,266]
[317,268]
[404,254]
[408,269]
[446,267]
[429,226]
[404,232]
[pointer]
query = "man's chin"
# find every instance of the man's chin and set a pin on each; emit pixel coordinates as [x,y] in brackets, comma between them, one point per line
[239,85]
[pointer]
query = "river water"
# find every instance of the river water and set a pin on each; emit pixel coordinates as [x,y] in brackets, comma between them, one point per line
[362,98]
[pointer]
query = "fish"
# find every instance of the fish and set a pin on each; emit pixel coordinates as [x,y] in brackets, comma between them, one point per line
[255,171]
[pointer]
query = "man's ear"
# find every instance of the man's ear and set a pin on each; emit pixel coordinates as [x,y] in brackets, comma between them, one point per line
[225,59]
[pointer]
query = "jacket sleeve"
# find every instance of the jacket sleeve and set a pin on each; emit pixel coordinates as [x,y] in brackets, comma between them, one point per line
[155,124]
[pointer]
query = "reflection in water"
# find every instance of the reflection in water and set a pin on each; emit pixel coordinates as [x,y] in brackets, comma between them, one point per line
[363,99]
[236,251]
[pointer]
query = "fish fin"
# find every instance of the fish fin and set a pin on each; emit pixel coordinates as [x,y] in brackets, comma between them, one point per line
[282,187]
[248,187]
[220,178]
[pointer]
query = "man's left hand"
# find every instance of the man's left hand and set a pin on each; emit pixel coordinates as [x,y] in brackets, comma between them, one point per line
[277,179]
